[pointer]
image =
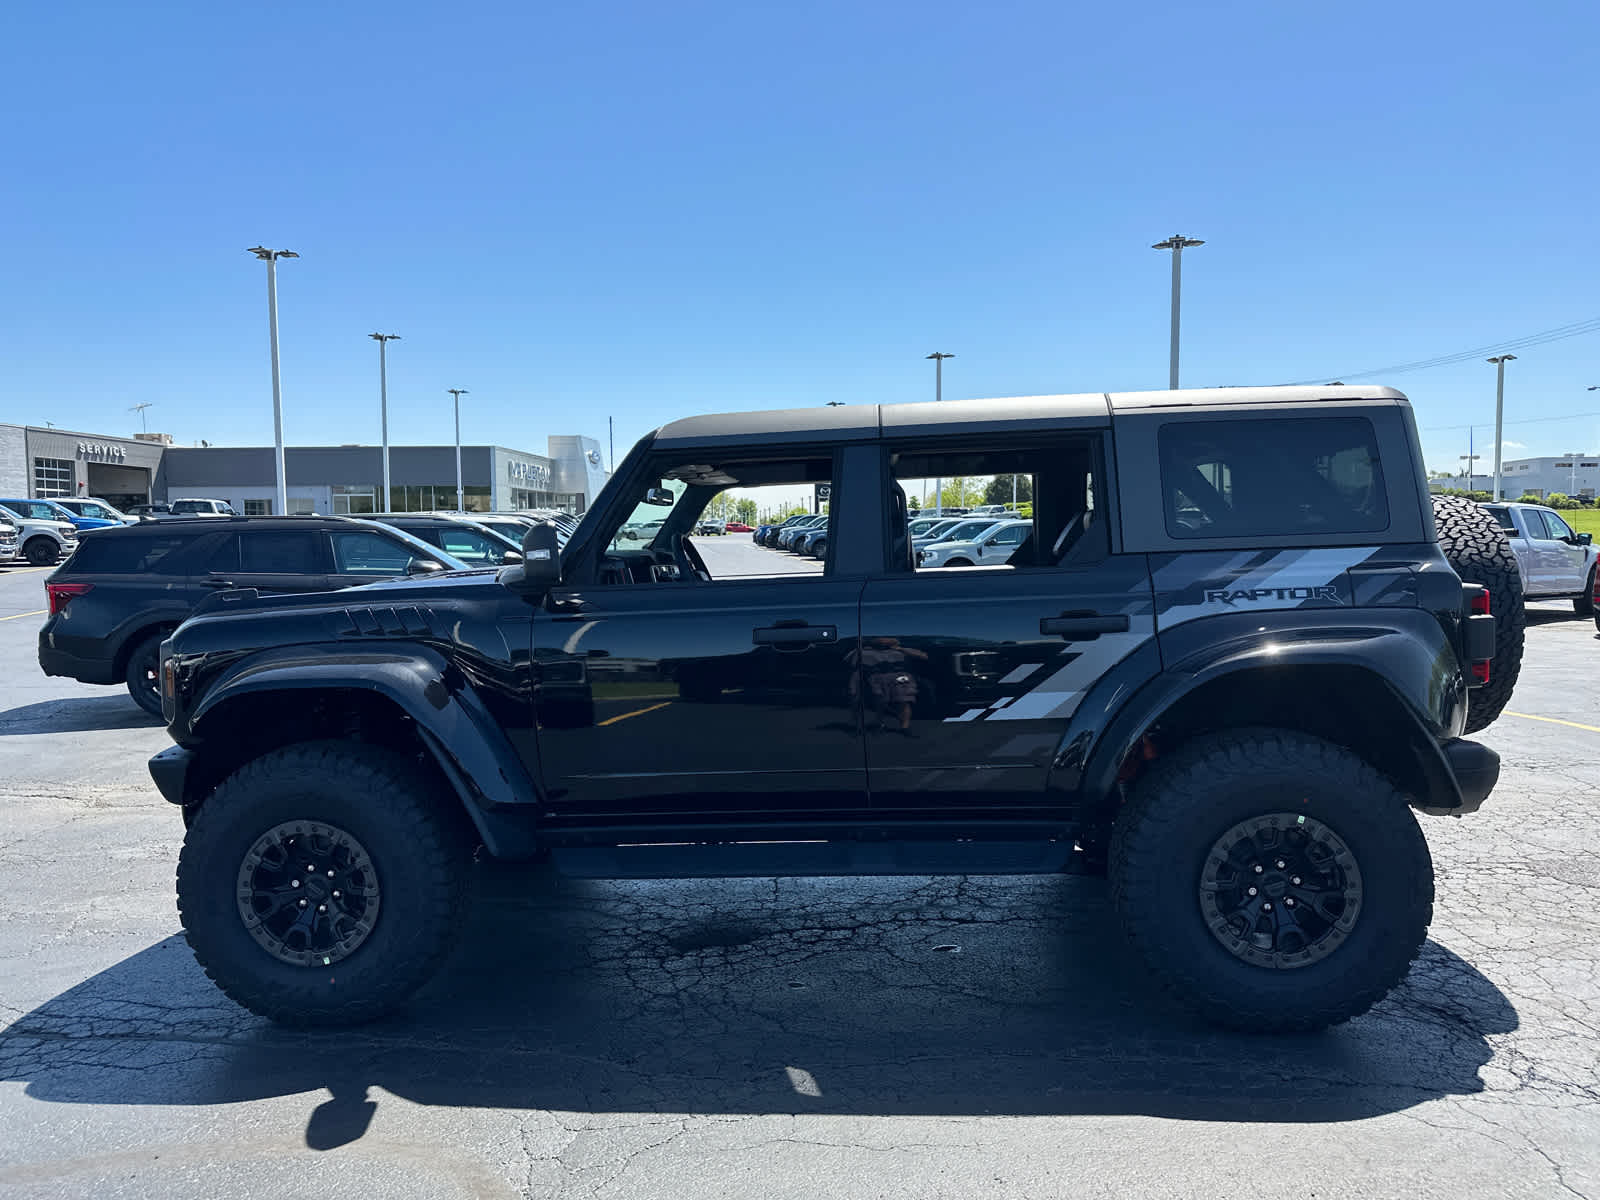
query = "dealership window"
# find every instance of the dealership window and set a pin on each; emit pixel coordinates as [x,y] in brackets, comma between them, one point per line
[437,497]
[258,508]
[1232,478]
[52,477]
[301,506]
[354,499]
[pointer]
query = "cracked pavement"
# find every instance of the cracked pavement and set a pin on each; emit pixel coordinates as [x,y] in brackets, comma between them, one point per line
[817,1038]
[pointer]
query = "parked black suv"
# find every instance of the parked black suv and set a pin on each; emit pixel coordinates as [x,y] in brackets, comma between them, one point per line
[126,588]
[1229,661]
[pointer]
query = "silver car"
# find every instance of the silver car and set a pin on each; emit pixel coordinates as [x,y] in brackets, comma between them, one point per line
[992,547]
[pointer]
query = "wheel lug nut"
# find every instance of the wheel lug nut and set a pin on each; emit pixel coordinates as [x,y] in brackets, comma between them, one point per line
[302,904]
[1288,901]
[311,866]
[337,894]
[1279,864]
[1267,907]
[1259,868]
[322,908]
[330,874]
[294,883]
[1251,892]
[1295,879]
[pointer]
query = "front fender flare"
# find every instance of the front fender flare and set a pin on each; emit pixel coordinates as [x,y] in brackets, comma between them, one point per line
[467,743]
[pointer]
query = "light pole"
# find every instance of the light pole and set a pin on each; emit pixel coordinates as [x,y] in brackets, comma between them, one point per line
[271,257]
[383,340]
[938,395]
[1499,361]
[458,393]
[1176,243]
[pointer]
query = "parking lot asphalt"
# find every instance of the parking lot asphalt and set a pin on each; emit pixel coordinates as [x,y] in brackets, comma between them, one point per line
[759,1038]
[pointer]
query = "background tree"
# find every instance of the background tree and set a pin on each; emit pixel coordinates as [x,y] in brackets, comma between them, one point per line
[999,489]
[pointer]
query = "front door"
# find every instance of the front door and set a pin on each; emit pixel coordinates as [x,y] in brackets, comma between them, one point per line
[1568,563]
[701,680]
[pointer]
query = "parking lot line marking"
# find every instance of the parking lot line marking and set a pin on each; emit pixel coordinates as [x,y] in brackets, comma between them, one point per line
[18,616]
[1553,721]
[638,712]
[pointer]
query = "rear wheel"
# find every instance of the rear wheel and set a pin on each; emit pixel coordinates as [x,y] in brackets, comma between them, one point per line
[41,551]
[1584,605]
[1478,551]
[1271,880]
[959,562]
[322,883]
[143,675]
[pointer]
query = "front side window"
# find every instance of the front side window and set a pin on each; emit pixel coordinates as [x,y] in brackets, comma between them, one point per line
[366,553]
[470,546]
[1557,527]
[1269,477]
[790,497]
[37,510]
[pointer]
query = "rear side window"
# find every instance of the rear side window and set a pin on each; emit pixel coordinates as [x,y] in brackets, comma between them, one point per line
[290,552]
[1503,516]
[1260,478]
[105,555]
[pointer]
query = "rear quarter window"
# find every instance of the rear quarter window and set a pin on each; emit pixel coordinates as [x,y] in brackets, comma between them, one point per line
[1503,517]
[1272,477]
[102,555]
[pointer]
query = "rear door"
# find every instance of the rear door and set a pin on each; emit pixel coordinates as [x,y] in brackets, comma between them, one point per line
[270,560]
[968,678]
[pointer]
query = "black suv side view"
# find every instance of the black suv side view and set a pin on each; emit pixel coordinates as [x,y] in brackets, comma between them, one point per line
[126,589]
[1228,664]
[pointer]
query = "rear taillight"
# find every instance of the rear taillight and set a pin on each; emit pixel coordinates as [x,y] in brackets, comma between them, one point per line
[1480,600]
[61,594]
[1480,673]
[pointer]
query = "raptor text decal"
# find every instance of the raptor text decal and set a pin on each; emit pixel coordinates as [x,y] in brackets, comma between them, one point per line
[1236,595]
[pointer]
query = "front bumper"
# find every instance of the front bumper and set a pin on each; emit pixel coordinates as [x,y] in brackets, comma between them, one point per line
[170,770]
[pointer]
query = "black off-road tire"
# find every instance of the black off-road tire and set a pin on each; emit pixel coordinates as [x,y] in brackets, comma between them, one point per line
[1189,800]
[1584,605]
[419,851]
[41,551]
[143,674]
[1478,551]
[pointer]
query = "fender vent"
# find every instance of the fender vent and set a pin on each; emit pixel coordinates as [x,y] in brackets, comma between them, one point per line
[403,621]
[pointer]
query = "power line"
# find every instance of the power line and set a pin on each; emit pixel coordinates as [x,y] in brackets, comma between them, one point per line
[1560,333]
[1518,421]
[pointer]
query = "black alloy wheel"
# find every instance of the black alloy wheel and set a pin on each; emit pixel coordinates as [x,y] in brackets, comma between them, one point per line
[1280,890]
[143,674]
[308,893]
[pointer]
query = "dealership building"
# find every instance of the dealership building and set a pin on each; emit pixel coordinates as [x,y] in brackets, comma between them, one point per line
[47,463]
[1570,474]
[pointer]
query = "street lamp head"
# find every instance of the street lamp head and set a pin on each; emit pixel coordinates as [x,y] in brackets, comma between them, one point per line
[1178,242]
[266,255]
[384,337]
[939,354]
[1502,358]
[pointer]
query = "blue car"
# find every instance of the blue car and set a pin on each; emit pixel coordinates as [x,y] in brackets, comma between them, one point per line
[49,510]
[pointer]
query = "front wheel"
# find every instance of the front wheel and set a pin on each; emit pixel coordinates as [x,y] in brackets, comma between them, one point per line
[41,551]
[1273,881]
[322,884]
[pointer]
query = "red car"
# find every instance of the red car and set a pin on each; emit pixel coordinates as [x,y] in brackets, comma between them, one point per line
[739,527]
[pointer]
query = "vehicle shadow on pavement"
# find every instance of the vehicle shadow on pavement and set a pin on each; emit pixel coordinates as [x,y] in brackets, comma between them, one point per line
[861,997]
[77,714]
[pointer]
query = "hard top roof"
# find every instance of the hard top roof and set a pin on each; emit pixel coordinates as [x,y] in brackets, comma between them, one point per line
[863,422]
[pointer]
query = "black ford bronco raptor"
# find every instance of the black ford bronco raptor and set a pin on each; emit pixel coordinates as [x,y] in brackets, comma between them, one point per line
[1234,654]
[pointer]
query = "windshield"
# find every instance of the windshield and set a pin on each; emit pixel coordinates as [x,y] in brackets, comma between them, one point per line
[939,527]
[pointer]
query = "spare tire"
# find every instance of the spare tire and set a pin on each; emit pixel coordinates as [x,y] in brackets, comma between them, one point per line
[1478,550]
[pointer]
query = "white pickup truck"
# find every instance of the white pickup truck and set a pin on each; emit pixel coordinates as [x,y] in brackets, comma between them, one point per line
[1555,562]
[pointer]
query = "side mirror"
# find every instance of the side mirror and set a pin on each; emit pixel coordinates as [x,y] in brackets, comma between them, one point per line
[511,556]
[423,566]
[660,497]
[1585,539]
[539,569]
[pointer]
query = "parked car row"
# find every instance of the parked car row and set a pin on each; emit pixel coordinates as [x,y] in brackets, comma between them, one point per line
[114,600]
[937,541]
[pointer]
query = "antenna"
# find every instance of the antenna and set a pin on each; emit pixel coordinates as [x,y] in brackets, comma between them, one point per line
[144,425]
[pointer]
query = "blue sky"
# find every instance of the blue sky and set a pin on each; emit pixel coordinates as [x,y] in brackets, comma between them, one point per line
[644,211]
